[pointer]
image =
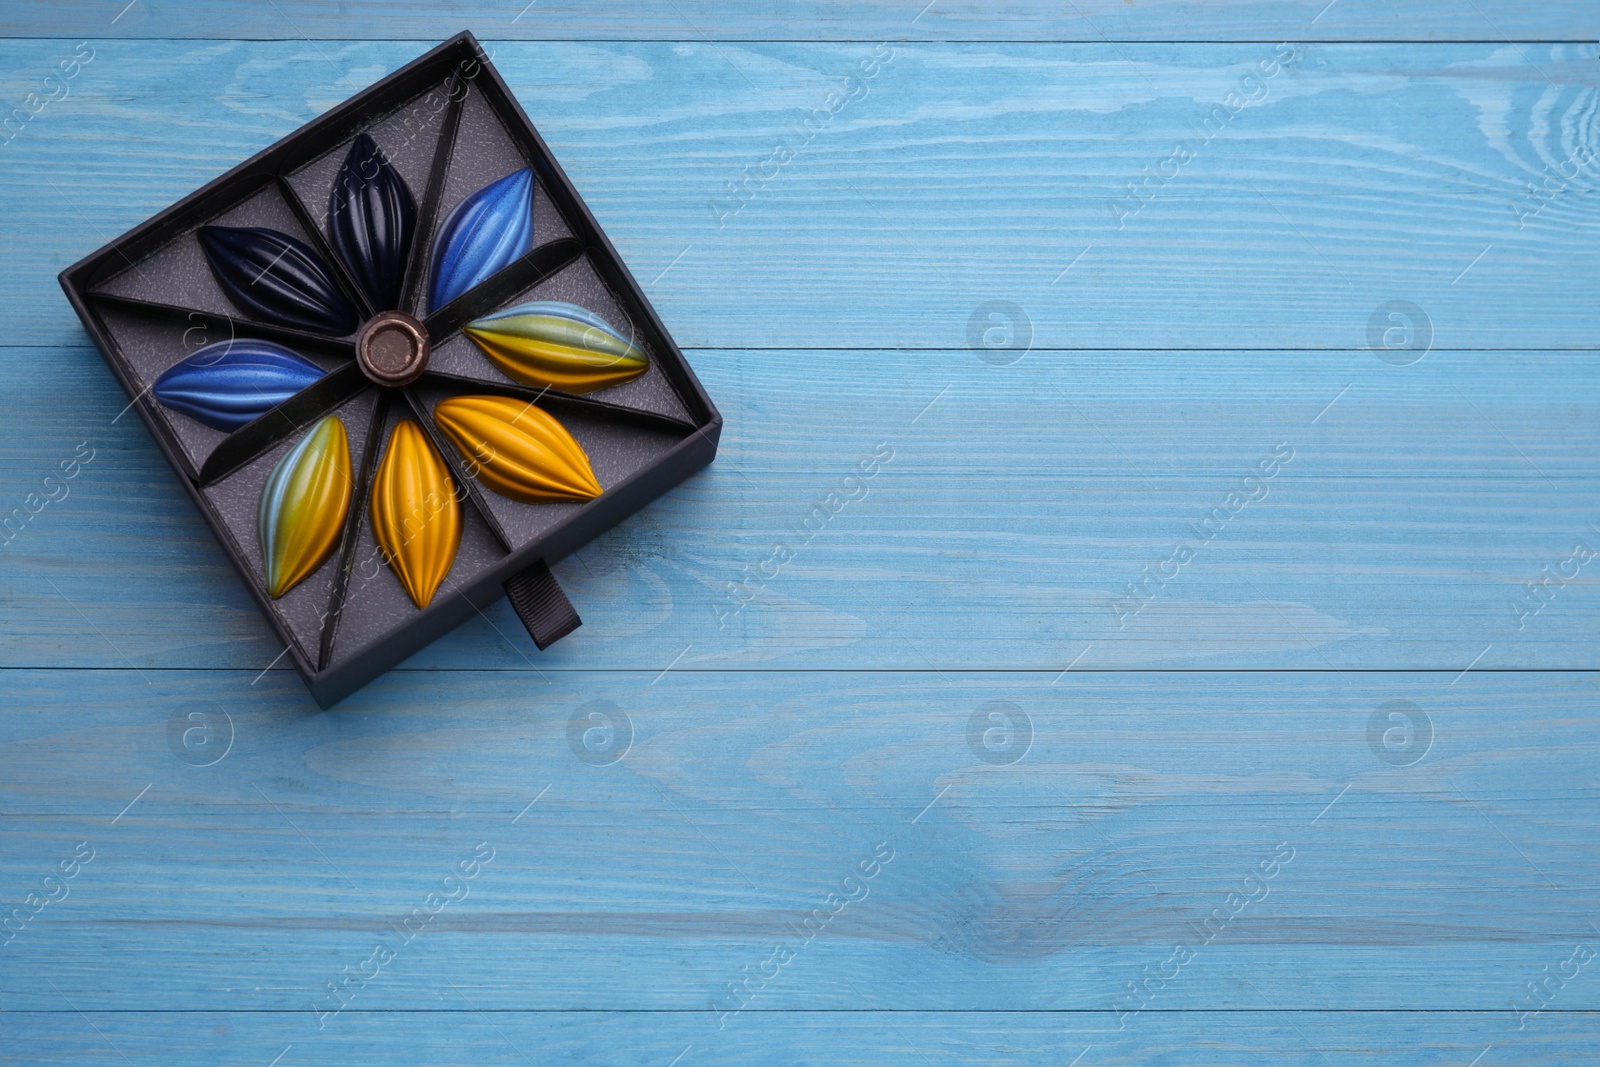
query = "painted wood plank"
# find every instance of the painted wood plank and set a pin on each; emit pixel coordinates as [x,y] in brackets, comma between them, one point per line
[1027,1039]
[1098,188]
[223,895]
[1015,508]
[821,20]
[1439,860]
[877,1038]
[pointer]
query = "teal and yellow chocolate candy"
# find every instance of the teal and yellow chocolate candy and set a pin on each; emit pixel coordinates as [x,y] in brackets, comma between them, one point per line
[560,345]
[304,504]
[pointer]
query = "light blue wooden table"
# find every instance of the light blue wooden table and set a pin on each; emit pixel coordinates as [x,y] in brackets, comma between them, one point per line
[1206,677]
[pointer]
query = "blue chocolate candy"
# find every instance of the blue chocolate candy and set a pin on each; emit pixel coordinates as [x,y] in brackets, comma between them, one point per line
[486,231]
[229,383]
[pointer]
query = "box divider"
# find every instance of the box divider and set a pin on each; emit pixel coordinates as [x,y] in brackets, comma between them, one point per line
[352,527]
[443,153]
[260,434]
[328,346]
[458,469]
[566,402]
[524,272]
[352,289]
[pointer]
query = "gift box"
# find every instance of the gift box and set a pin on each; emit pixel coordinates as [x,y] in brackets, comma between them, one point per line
[398,367]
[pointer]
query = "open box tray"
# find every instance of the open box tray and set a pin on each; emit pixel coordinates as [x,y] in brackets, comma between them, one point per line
[449,126]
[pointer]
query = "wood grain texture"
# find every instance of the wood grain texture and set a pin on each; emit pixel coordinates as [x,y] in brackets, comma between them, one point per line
[758,734]
[966,173]
[1018,506]
[821,20]
[645,869]
[868,1038]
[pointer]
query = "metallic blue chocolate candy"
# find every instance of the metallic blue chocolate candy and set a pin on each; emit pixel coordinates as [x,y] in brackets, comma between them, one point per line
[277,279]
[371,220]
[227,384]
[484,233]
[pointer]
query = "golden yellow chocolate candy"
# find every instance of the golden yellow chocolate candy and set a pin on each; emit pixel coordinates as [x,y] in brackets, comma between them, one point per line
[517,449]
[416,517]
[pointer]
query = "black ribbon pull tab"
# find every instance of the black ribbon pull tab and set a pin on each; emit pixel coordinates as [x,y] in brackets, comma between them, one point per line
[543,608]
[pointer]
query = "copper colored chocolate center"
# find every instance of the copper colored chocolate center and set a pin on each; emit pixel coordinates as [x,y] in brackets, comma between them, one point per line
[393,348]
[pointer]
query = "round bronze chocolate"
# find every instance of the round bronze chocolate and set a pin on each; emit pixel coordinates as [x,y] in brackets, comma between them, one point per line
[393,348]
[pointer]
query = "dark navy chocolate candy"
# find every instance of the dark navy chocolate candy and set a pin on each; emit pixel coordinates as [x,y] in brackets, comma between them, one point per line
[371,221]
[277,279]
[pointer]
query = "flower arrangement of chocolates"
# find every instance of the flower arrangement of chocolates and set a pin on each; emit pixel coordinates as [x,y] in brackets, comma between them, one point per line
[399,367]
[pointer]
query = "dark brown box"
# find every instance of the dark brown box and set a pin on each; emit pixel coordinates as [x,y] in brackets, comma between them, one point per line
[448,123]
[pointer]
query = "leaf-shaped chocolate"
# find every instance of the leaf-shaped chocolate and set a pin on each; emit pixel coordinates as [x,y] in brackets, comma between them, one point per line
[484,233]
[416,517]
[518,450]
[230,383]
[303,505]
[371,220]
[557,344]
[277,279]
